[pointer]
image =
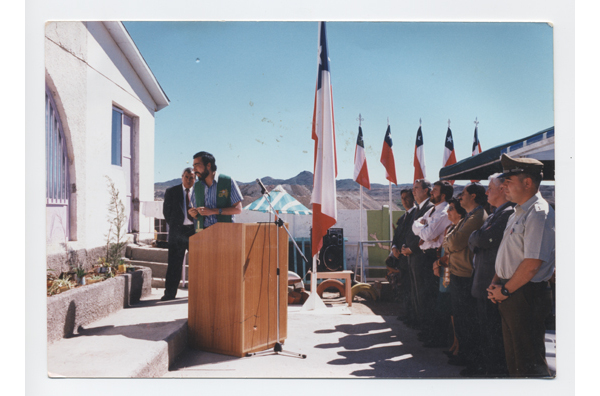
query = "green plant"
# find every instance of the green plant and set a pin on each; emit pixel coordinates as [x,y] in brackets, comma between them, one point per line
[97,277]
[80,272]
[57,284]
[117,219]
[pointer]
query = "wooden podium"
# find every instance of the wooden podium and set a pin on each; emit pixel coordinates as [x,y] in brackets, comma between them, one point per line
[232,292]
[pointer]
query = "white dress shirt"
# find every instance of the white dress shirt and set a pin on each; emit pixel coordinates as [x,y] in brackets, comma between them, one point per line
[187,221]
[432,232]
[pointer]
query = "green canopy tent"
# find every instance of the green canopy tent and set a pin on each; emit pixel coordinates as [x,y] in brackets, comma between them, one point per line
[539,146]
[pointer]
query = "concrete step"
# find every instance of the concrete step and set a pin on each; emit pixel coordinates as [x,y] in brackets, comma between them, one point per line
[140,341]
[147,253]
[159,270]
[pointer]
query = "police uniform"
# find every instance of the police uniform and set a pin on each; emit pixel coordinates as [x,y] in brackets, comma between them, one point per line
[529,234]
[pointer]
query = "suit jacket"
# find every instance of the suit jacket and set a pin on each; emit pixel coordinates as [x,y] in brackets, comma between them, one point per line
[412,240]
[484,243]
[403,225]
[174,215]
[456,244]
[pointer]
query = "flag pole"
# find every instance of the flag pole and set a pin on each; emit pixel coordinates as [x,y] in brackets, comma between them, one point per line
[390,198]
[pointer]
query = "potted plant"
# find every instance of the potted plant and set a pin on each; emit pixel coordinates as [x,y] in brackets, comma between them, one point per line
[103,266]
[60,285]
[80,272]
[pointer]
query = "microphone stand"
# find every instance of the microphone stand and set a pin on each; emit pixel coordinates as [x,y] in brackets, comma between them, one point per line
[278,348]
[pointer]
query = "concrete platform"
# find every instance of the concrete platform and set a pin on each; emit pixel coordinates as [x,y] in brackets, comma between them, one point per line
[139,341]
[149,340]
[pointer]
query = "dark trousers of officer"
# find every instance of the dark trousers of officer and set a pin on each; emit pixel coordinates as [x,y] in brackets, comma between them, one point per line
[465,315]
[491,345]
[425,287]
[523,329]
[177,247]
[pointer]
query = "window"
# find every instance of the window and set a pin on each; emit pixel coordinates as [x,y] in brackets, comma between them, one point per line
[58,189]
[57,170]
[116,141]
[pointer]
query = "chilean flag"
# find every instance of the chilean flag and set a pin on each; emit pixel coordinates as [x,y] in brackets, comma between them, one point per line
[476,148]
[324,205]
[449,154]
[361,173]
[387,157]
[419,161]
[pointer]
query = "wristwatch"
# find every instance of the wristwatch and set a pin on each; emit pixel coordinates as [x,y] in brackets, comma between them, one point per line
[504,291]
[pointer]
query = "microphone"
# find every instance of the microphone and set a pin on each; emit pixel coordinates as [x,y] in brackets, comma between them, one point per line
[262,186]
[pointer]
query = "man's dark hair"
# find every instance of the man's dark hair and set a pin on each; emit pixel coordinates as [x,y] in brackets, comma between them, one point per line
[207,158]
[407,191]
[479,191]
[187,170]
[459,209]
[446,189]
[425,184]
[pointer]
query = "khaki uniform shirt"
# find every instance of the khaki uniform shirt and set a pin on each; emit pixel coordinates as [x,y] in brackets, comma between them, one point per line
[529,234]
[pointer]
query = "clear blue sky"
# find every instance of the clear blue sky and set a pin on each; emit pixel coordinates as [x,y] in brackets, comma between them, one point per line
[244,91]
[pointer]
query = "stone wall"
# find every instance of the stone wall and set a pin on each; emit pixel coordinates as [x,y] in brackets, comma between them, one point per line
[69,310]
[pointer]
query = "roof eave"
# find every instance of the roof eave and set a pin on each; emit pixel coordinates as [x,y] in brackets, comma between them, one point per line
[126,44]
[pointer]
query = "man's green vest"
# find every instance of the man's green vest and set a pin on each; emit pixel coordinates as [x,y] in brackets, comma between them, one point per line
[223,200]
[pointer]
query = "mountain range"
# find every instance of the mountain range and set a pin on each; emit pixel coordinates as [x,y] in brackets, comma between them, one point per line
[348,191]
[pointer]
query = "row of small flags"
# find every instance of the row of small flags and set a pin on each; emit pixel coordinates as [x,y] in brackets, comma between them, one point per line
[324,204]
[361,173]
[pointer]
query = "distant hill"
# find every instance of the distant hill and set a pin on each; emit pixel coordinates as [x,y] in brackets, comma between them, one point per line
[348,191]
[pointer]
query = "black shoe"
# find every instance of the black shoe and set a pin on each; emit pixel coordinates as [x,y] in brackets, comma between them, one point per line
[402,318]
[448,353]
[167,298]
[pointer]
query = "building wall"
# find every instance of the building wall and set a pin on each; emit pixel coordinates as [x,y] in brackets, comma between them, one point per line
[88,74]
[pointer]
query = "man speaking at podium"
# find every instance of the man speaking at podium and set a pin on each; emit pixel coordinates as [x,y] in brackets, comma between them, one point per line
[218,197]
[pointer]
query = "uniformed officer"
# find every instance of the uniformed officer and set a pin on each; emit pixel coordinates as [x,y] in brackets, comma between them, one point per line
[524,264]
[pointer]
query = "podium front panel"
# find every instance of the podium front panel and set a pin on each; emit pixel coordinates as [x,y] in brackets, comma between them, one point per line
[232,295]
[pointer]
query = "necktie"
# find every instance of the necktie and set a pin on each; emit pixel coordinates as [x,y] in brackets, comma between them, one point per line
[187,204]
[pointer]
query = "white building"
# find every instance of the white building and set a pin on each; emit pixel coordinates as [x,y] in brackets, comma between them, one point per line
[101,98]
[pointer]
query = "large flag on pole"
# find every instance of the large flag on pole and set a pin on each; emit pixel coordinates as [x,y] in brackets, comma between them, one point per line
[361,173]
[419,161]
[325,165]
[449,154]
[387,157]
[476,149]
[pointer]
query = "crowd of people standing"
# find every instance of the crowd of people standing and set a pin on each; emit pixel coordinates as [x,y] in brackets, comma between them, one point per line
[472,272]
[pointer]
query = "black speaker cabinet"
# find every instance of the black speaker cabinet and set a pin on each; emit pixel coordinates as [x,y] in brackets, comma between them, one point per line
[331,256]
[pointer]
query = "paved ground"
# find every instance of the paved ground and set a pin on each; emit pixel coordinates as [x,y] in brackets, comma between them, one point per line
[363,341]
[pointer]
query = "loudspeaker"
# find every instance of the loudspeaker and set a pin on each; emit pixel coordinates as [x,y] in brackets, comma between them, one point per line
[331,256]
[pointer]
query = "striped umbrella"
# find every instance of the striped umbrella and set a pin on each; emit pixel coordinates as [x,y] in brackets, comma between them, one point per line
[281,201]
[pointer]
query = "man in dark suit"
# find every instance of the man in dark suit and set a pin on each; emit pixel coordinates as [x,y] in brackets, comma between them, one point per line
[178,200]
[417,260]
[397,263]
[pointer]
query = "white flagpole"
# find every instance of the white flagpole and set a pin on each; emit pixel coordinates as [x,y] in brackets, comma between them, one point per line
[390,209]
[314,301]
[390,199]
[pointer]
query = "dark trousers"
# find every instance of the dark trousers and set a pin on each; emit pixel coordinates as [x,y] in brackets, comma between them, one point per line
[178,244]
[465,315]
[523,329]
[491,346]
[425,288]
